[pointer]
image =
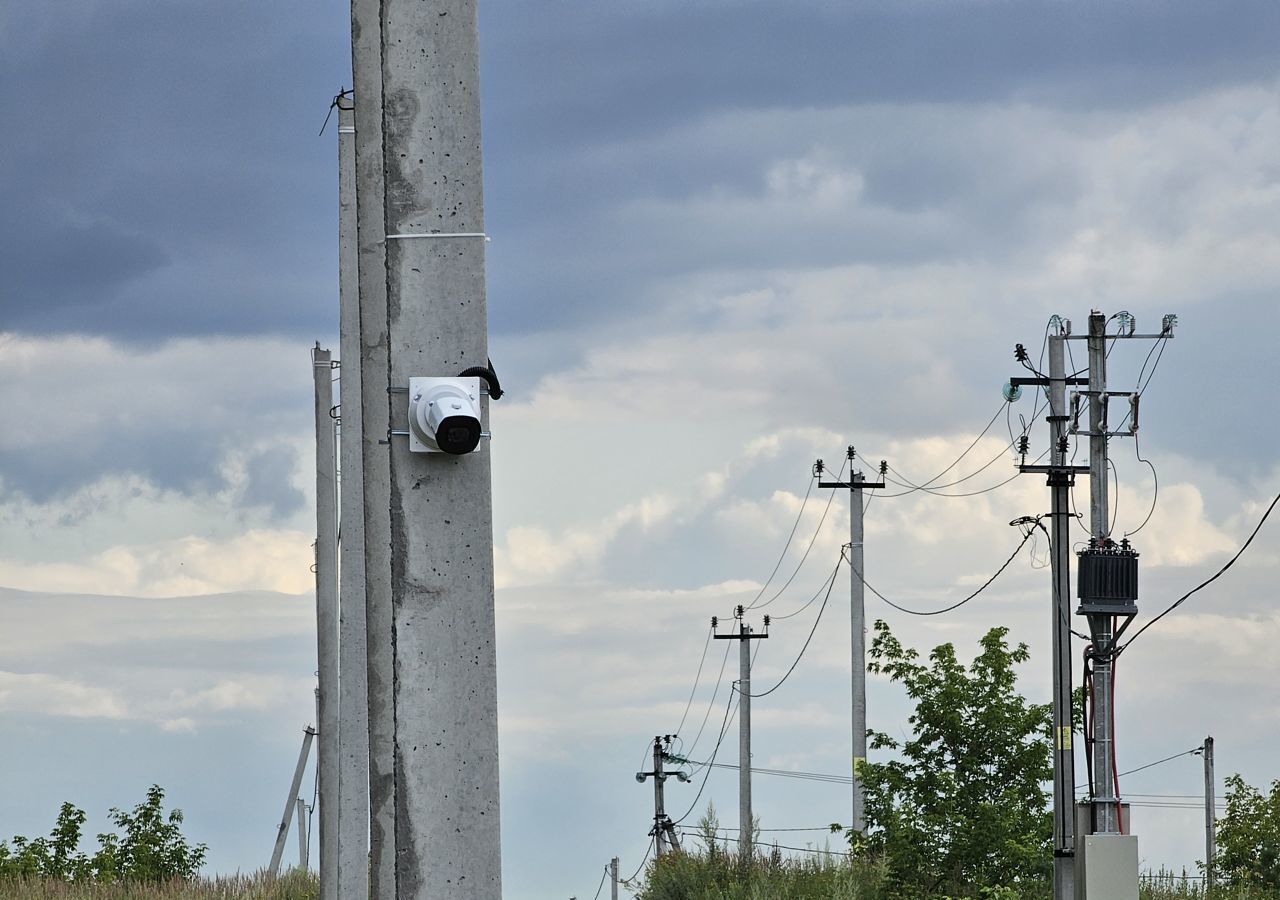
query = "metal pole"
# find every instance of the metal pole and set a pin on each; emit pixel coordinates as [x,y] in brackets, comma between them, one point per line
[659,808]
[1101,627]
[295,786]
[1064,775]
[303,862]
[745,822]
[353,699]
[613,873]
[858,643]
[327,619]
[1210,819]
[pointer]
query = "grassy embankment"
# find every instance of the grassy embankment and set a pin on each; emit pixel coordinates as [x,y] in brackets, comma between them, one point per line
[291,886]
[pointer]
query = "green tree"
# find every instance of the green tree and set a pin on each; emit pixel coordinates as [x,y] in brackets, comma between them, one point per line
[151,848]
[963,809]
[1249,836]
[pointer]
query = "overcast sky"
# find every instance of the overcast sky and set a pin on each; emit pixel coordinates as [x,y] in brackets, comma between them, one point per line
[728,237]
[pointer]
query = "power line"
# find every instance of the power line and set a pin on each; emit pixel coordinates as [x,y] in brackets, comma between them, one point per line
[712,702]
[935,612]
[1204,583]
[787,545]
[600,886]
[786,773]
[1161,762]
[816,595]
[627,881]
[696,680]
[812,630]
[817,531]
[724,729]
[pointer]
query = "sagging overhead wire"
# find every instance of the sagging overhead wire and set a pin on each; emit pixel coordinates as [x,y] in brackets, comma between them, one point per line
[830,584]
[815,596]
[1204,584]
[712,702]
[697,679]
[787,546]
[937,612]
[755,604]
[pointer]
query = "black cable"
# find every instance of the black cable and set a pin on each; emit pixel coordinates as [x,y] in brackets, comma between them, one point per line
[817,531]
[1204,583]
[816,595]
[812,630]
[712,702]
[787,546]
[1155,495]
[696,680]
[627,881]
[724,729]
[1115,497]
[785,773]
[1160,762]
[1025,537]
[600,887]
[1003,405]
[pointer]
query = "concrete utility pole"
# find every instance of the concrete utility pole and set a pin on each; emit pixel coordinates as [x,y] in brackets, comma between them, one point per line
[327,618]
[303,862]
[373,427]
[353,686]
[429,549]
[295,787]
[1101,627]
[613,878]
[1061,476]
[744,636]
[857,625]
[663,831]
[1061,479]
[1210,815]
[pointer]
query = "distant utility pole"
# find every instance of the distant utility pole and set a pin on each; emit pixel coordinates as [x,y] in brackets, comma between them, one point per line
[295,787]
[435,828]
[303,862]
[663,831]
[1210,815]
[857,623]
[353,682]
[327,618]
[613,878]
[744,635]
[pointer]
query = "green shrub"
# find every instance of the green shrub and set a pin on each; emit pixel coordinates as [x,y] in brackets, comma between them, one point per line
[150,847]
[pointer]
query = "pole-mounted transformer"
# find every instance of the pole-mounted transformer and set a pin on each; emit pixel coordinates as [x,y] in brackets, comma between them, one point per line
[1107,579]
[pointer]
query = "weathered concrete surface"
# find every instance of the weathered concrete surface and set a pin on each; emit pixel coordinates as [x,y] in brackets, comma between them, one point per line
[366,52]
[353,699]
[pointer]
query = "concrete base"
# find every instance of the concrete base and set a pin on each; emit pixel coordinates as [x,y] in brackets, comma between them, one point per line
[1107,867]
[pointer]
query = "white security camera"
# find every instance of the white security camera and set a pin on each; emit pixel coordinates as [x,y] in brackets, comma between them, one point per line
[444,415]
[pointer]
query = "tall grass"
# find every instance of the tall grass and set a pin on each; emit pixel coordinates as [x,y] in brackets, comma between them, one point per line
[293,885]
